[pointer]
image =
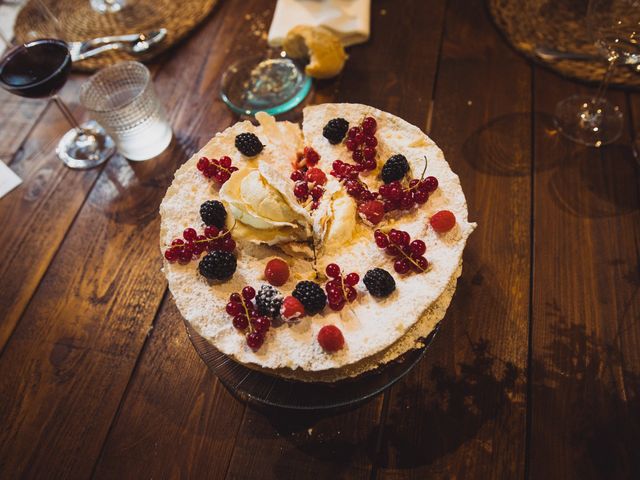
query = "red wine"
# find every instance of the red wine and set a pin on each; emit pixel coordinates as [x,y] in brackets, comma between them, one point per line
[36,69]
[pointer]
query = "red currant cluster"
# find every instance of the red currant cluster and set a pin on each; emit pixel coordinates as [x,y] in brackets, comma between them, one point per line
[348,174]
[409,255]
[192,245]
[362,142]
[309,182]
[220,170]
[340,290]
[395,197]
[246,318]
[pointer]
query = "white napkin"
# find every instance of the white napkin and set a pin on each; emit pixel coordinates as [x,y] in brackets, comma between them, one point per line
[8,179]
[349,19]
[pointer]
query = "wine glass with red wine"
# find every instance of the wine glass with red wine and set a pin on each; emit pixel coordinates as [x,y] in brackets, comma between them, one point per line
[39,69]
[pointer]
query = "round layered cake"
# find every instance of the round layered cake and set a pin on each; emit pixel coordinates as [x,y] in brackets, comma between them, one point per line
[315,253]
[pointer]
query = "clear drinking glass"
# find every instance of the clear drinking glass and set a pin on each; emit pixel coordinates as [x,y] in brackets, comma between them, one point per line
[108,6]
[591,119]
[123,100]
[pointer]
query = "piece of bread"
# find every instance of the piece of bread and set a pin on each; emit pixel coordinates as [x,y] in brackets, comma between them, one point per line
[323,48]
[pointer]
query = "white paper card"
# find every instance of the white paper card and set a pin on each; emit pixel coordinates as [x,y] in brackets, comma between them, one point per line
[8,179]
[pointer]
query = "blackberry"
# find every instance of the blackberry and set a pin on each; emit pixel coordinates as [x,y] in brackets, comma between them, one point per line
[395,168]
[213,213]
[269,300]
[379,282]
[248,144]
[218,265]
[311,295]
[335,130]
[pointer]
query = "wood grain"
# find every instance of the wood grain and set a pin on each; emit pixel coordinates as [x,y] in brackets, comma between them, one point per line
[461,412]
[585,332]
[40,211]
[18,116]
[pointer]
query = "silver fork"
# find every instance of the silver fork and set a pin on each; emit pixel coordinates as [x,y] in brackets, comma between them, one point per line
[136,43]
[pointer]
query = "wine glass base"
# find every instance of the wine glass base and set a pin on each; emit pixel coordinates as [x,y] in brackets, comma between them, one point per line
[82,151]
[258,84]
[589,123]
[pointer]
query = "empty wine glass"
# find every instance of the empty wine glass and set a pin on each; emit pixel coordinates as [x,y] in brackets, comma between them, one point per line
[591,119]
[107,6]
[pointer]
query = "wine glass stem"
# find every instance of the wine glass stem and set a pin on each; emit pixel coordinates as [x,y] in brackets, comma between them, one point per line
[604,84]
[67,114]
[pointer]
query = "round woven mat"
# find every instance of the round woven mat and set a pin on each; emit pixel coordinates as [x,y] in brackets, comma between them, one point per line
[560,25]
[75,20]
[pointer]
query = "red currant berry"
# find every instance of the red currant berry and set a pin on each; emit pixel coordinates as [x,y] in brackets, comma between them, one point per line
[406,202]
[233,308]
[431,183]
[228,244]
[418,248]
[330,338]
[189,234]
[443,221]
[359,138]
[392,250]
[261,324]
[352,279]
[351,294]
[371,141]
[311,155]
[381,239]
[210,231]
[171,255]
[248,293]
[301,190]
[357,156]
[353,131]
[395,236]
[177,241]
[337,305]
[421,196]
[277,272]
[240,322]
[255,340]
[402,265]
[333,270]
[335,296]
[421,262]
[297,175]
[350,144]
[225,162]
[316,193]
[369,152]
[203,162]
[369,125]
[185,257]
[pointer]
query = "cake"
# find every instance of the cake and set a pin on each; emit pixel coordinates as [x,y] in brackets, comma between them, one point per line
[354,191]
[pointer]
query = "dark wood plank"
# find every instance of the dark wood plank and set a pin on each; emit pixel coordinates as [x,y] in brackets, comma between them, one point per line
[461,413]
[177,420]
[585,331]
[17,118]
[38,213]
[67,364]
[394,71]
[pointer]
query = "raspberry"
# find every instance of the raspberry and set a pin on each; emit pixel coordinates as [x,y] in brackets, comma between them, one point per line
[330,338]
[311,295]
[217,265]
[395,168]
[335,130]
[379,282]
[213,213]
[248,144]
[371,211]
[277,272]
[443,221]
[317,176]
[291,309]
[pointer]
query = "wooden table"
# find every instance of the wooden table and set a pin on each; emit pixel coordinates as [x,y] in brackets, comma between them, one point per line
[535,372]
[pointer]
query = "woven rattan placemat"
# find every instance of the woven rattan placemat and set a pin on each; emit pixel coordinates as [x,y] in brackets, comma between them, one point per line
[559,25]
[75,20]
